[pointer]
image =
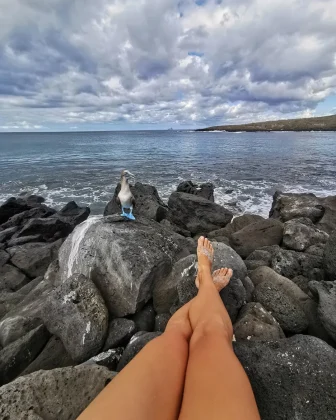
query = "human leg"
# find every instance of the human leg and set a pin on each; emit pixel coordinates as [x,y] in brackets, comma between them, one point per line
[150,387]
[216,385]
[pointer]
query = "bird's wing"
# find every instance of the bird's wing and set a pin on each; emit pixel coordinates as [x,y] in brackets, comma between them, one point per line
[118,199]
[133,201]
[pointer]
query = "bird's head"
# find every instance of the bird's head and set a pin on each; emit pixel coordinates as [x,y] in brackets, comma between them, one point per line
[126,174]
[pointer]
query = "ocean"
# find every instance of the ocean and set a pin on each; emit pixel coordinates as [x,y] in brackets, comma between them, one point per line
[86,166]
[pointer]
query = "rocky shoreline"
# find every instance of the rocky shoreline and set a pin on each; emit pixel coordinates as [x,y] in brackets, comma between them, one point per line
[80,296]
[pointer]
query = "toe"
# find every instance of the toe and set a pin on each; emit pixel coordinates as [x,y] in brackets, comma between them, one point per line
[201,241]
[230,272]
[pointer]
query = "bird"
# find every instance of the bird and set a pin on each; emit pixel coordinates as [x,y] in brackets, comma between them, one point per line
[125,197]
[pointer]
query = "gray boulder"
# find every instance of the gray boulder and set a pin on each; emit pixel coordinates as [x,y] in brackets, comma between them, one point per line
[326,292]
[255,323]
[292,206]
[161,322]
[302,282]
[328,221]
[185,277]
[203,190]
[298,236]
[4,258]
[196,214]
[293,378]
[15,241]
[165,291]
[11,329]
[291,307]
[59,394]
[145,319]
[148,204]
[137,343]
[236,224]
[11,278]
[6,234]
[329,259]
[119,333]
[76,312]
[17,356]
[317,249]
[33,259]
[51,357]
[109,359]
[122,258]
[225,256]
[177,229]
[256,235]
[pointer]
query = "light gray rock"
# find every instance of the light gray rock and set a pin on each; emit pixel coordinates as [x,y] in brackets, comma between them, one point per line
[293,378]
[292,206]
[76,312]
[328,221]
[18,355]
[329,259]
[197,214]
[255,323]
[119,333]
[6,234]
[11,278]
[122,258]
[33,259]
[137,343]
[298,236]
[59,394]
[256,235]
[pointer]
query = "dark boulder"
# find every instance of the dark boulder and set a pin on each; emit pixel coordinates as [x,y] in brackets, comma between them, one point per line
[161,322]
[185,275]
[119,333]
[122,258]
[11,329]
[59,394]
[293,378]
[256,235]
[49,229]
[328,221]
[203,190]
[255,323]
[18,205]
[11,278]
[329,259]
[20,219]
[326,292]
[174,228]
[17,356]
[145,319]
[299,236]
[4,258]
[137,343]
[76,312]
[33,259]
[197,214]
[147,202]
[15,241]
[71,214]
[53,356]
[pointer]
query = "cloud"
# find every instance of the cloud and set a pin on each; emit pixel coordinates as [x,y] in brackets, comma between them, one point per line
[164,62]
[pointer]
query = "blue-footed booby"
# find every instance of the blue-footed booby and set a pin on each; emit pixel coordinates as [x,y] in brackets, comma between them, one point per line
[125,196]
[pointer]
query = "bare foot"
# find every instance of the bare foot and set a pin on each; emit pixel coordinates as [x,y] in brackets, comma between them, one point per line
[205,255]
[222,277]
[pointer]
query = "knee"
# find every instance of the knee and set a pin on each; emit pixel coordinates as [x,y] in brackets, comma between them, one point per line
[210,331]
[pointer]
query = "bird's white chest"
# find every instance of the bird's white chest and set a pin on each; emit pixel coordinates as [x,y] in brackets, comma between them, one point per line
[125,196]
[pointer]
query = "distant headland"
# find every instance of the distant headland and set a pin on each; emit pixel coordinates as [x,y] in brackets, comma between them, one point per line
[301,124]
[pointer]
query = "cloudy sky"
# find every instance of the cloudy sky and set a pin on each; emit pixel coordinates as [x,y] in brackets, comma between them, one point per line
[152,64]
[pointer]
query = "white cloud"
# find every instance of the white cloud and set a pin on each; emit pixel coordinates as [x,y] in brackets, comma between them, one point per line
[168,61]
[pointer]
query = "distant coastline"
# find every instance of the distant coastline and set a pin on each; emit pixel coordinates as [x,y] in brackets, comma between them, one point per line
[301,124]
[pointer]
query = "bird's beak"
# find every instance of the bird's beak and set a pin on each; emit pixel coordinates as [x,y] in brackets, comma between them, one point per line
[131,175]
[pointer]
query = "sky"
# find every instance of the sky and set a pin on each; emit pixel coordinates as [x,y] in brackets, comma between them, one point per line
[157,64]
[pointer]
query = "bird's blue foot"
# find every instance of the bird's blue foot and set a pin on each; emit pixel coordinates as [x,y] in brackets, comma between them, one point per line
[130,216]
